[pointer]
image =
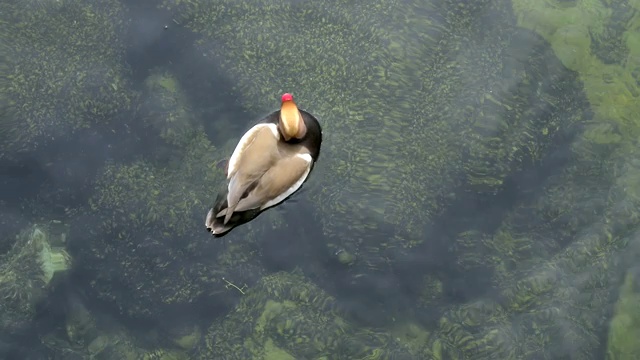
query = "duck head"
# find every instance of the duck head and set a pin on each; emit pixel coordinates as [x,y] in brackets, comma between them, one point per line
[291,124]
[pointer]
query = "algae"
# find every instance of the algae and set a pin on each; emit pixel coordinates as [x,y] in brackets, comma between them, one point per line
[27,274]
[611,87]
[624,329]
[61,70]
[446,105]
[286,314]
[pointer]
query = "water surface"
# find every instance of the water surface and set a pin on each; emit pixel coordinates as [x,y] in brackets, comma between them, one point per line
[476,193]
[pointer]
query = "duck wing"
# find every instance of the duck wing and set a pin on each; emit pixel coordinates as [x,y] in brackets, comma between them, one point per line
[248,153]
[279,182]
[254,155]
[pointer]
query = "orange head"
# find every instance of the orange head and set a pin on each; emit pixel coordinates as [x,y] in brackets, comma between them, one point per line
[291,123]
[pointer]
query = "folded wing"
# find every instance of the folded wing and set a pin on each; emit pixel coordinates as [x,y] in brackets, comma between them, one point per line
[254,155]
[280,181]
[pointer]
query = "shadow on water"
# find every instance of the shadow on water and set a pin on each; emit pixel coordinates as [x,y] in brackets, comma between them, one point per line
[60,175]
[378,297]
[157,40]
[43,185]
[151,46]
[19,179]
[300,243]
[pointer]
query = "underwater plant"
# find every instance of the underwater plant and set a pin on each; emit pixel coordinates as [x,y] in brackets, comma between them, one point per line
[27,274]
[284,316]
[61,70]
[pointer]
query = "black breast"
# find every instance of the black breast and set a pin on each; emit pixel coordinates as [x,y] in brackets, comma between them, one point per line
[312,139]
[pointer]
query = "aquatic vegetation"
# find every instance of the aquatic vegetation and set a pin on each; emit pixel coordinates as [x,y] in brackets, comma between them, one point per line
[145,227]
[61,69]
[421,103]
[167,110]
[556,258]
[470,120]
[26,274]
[526,110]
[611,86]
[624,328]
[553,262]
[284,316]
[87,336]
[142,231]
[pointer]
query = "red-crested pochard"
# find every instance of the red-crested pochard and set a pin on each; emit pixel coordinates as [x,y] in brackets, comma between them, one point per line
[271,162]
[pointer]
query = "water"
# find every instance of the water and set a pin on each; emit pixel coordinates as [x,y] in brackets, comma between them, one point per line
[476,193]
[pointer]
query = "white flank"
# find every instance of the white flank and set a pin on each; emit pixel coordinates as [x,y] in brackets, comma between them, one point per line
[242,144]
[213,232]
[294,187]
[209,219]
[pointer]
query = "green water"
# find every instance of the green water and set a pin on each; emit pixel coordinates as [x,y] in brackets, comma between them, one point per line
[476,195]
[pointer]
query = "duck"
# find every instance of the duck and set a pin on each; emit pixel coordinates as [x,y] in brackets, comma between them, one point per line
[271,162]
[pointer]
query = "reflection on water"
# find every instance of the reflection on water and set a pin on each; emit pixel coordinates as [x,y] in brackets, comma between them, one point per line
[476,195]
